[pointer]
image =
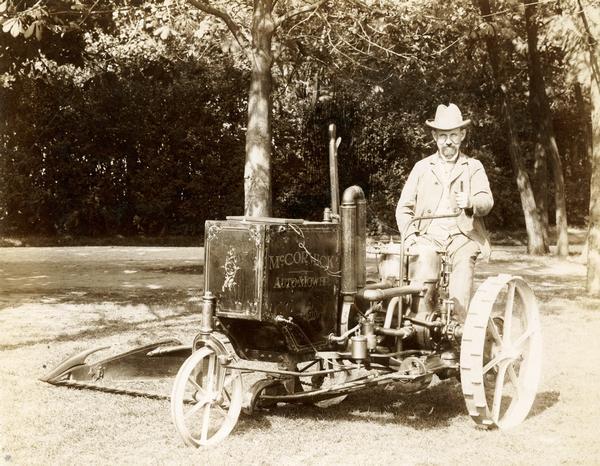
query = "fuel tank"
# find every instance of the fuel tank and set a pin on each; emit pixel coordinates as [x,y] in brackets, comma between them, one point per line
[276,281]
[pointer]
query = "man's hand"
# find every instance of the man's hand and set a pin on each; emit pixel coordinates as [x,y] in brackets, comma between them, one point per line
[463,201]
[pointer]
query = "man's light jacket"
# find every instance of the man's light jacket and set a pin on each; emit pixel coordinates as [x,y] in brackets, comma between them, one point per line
[423,192]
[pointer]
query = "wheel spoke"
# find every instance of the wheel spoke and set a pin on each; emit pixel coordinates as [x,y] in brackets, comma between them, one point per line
[520,342]
[490,365]
[514,378]
[494,331]
[210,373]
[227,395]
[195,384]
[221,378]
[498,389]
[196,408]
[205,423]
[508,312]
[222,410]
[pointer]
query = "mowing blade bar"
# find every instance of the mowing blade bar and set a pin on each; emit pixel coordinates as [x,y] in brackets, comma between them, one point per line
[157,360]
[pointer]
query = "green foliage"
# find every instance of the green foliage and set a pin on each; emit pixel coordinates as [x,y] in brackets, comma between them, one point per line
[134,122]
[573,30]
[380,115]
[148,147]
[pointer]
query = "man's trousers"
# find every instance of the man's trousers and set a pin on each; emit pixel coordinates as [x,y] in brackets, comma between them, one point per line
[425,266]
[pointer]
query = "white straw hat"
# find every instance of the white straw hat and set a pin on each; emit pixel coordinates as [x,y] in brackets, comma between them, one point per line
[447,118]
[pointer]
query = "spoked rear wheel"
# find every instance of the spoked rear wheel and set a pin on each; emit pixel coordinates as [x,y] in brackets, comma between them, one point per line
[206,399]
[501,352]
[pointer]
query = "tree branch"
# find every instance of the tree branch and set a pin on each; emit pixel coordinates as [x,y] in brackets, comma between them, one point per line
[336,49]
[233,27]
[366,37]
[88,13]
[591,40]
[298,11]
[592,44]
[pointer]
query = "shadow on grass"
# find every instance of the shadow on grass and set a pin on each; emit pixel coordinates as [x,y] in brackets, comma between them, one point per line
[550,286]
[432,408]
[102,328]
[180,269]
[115,240]
[118,297]
[543,401]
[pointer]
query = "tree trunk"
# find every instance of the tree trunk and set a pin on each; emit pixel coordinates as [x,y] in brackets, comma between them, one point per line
[583,110]
[593,240]
[540,167]
[560,198]
[593,270]
[540,183]
[533,224]
[582,150]
[257,171]
[542,122]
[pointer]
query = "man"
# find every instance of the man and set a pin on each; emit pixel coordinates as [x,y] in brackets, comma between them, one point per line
[447,182]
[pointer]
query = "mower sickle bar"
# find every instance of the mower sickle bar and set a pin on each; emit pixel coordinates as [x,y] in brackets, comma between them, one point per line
[157,360]
[113,390]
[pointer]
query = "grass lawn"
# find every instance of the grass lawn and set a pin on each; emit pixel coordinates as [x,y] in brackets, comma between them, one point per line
[55,304]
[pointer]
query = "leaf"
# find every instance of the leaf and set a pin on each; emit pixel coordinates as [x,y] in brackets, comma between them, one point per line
[30,30]
[38,30]
[8,24]
[3,6]
[202,29]
[16,28]
[165,33]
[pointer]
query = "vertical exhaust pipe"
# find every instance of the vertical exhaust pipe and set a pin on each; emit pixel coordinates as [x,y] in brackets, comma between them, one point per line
[348,219]
[353,217]
[361,241]
[333,172]
[354,229]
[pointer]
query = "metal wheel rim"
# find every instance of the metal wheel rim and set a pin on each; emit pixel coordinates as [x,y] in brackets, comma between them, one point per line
[492,357]
[218,397]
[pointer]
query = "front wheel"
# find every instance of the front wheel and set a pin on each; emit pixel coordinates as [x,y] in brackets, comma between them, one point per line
[206,399]
[501,352]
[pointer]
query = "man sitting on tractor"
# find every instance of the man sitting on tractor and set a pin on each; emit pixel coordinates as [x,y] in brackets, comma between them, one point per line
[447,182]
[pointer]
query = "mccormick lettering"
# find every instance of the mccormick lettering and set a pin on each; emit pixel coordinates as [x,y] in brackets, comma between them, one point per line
[301,258]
